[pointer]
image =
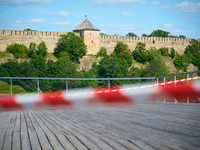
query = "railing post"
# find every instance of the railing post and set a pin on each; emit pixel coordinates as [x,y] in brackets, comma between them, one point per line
[38,86]
[164,87]
[66,85]
[188,100]
[175,101]
[11,87]
[157,88]
[108,84]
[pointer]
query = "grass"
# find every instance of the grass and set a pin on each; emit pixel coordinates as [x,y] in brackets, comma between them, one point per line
[16,89]
[4,54]
[51,56]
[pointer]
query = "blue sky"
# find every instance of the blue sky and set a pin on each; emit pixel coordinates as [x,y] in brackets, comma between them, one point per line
[179,17]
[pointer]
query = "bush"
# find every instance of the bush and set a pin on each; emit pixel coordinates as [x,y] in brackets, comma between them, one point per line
[102,52]
[140,54]
[173,53]
[164,51]
[18,50]
[181,62]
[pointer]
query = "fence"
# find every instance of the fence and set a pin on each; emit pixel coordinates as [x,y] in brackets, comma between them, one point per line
[108,80]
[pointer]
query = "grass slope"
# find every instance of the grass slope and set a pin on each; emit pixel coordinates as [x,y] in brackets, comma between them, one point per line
[16,89]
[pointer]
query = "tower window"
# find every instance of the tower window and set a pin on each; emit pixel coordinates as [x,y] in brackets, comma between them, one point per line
[92,41]
[90,33]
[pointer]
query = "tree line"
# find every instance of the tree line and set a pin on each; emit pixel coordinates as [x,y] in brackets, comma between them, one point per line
[70,49]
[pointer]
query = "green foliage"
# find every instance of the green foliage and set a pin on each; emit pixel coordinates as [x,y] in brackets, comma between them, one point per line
[3,54]
[28,29]
[140,54]
[32,50]
[18,50]
[160,33]
[194,47]
[181,62]
[196,60]
[4,87]
[182,36]
[156,67]
[131,34]
[73,45]
[42,49]
[144,35]
[111,67]
[16,89]
[173,53]
[123,52]
[164,51]
[102,52]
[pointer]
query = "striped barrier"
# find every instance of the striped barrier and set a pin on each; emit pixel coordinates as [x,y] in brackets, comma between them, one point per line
[124,95]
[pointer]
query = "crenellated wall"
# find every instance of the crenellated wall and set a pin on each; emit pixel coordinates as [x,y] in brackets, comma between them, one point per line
[110,41]
[8,37]
[92,39]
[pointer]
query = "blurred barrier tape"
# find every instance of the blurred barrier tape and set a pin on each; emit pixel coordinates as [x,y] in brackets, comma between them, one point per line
[124,95]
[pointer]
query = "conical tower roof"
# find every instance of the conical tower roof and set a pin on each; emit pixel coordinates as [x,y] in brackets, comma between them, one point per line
[86,25]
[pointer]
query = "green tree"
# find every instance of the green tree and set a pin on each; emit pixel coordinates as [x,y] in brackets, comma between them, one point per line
[160,33]
[131,34]
[110,67]
[73,45]
[102,52]
[182,36]
[144,35]
[181,62]
[164,51]
[140,54]
[18,50]
[32,50]
[155,68]
[194,47]
[123,52]
[42,49]
[173,53]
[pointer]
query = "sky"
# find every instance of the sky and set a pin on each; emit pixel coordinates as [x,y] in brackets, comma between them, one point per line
[120,17]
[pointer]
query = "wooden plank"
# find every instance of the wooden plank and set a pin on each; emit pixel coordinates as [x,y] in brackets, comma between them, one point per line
[16,142]
[32,134]
[25,141]
[51,137]
[41,135]
[8,134]
[74,137]
[53,127]
[4,127]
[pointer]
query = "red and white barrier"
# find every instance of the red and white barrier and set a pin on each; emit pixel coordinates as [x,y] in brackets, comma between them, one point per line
[124,95]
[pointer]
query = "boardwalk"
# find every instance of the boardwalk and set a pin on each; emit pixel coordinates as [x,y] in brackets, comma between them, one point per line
[154,126]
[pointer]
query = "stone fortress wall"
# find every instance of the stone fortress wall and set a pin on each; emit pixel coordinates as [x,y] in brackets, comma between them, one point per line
[8,37]
[179,44]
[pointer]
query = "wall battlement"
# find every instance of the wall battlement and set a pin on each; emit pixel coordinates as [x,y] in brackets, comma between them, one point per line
[33,33]
[129,38]
[92,39]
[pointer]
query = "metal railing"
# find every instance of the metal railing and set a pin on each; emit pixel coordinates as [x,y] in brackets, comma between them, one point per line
[155,79]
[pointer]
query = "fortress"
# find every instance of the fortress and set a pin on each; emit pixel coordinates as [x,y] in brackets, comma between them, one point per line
[91,37]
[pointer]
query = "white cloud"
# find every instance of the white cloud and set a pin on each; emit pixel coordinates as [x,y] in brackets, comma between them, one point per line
[27,2]
[182,32]
[155,3]
[187,7]
[120,1]
[62,23]
[125,13]
[168,25]
[37,20]
[166,6]
[59,13]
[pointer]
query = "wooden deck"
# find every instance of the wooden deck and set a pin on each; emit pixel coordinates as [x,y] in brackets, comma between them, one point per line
[153,126]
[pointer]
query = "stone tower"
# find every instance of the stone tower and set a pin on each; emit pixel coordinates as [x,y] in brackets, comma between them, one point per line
[90,35]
